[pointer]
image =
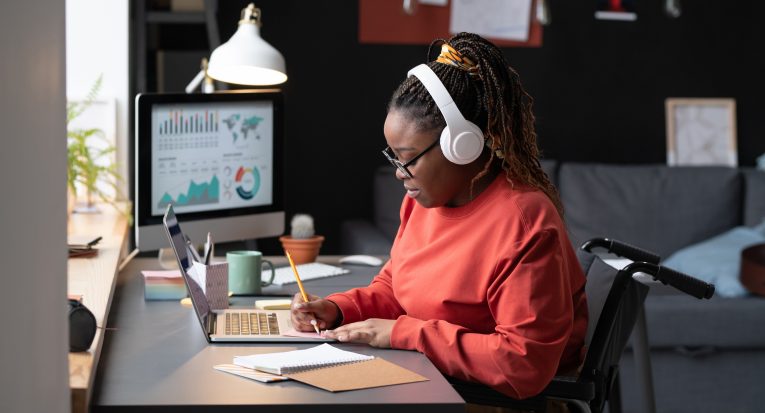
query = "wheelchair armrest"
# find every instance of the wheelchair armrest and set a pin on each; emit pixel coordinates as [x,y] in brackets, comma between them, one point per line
[563,387]
[559,388]
[479,394]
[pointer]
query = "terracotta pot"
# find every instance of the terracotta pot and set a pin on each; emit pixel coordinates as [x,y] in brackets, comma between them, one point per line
[302,250]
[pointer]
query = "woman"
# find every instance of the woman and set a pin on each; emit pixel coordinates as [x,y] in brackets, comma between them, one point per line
[482,278]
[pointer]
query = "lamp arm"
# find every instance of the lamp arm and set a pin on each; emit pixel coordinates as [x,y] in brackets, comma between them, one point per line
[195,81]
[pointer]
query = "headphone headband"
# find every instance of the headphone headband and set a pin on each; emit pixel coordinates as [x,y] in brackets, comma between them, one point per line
[461,140]
[452,115]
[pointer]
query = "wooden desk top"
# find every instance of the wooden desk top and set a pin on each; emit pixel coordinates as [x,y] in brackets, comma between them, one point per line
[94,278]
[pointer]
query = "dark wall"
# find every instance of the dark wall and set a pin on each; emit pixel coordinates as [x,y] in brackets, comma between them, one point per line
[599,88]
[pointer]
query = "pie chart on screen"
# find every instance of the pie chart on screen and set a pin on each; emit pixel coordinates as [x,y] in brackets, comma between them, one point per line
[247,182]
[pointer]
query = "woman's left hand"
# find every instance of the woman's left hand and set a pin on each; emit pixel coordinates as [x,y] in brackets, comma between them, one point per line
[374,331]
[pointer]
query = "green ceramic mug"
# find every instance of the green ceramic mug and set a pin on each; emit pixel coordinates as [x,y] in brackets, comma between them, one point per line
[245,270]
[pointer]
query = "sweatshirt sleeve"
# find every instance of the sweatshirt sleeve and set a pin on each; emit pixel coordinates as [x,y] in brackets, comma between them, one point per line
[374,301]
[530,299]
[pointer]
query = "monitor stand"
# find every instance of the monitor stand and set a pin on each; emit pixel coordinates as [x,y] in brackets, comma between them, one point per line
[251,244]
[166,258]
[168,261]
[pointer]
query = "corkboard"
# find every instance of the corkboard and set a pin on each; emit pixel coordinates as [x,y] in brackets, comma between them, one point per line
[384,22]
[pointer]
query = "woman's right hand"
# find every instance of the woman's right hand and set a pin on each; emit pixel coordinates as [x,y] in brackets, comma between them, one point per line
[325,312]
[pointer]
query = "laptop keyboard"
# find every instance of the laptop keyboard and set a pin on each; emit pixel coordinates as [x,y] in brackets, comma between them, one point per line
[251,324]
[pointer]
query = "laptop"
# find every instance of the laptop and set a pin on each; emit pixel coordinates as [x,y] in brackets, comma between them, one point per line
[242,325]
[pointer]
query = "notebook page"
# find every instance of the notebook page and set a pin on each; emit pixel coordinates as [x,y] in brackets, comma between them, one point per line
[297,360]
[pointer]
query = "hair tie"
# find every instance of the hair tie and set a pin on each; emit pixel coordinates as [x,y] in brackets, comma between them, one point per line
[450,56]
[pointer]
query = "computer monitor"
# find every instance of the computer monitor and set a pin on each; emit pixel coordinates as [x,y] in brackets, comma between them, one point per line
[217,158]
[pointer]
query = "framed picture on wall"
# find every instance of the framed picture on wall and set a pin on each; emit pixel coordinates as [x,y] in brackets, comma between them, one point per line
[701,131]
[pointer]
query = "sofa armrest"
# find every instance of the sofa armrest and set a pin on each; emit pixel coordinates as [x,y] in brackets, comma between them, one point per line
[361,237]
[754,196]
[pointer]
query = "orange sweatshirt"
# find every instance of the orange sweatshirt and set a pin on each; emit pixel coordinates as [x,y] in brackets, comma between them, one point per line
[490,291]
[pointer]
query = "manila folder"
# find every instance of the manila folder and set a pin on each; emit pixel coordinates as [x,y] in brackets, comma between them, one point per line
[353,376]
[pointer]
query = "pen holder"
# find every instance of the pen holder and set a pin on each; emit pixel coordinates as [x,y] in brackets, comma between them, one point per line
[213,280]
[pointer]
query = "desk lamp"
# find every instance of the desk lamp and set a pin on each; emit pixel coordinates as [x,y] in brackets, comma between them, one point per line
[207,86]
[245,59]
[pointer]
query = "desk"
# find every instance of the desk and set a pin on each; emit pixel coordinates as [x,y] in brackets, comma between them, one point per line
[93,278]
[159,360]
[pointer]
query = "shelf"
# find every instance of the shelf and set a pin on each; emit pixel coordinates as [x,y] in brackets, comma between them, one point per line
[95,279]
[154,29]
[176,17]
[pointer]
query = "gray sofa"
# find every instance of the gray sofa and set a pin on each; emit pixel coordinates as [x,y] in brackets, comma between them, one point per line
[706,355]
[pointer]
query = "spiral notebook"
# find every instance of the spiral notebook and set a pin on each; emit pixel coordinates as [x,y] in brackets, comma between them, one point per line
[331,368]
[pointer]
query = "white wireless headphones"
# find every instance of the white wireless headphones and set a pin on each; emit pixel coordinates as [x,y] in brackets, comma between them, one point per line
[461,140]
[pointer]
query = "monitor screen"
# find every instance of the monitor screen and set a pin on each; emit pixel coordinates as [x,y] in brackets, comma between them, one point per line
[216,158]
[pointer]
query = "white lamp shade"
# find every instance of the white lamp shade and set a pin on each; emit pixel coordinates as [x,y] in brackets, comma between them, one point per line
[246,59]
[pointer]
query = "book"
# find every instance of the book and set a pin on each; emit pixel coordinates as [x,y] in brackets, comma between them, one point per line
[330,368]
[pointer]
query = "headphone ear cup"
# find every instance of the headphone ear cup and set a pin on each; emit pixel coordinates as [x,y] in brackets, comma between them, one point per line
[446,144]
[463,148]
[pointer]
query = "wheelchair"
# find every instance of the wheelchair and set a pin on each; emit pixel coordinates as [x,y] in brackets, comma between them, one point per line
[615,299]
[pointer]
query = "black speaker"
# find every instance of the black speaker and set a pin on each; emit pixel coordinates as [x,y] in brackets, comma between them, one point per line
[82,326]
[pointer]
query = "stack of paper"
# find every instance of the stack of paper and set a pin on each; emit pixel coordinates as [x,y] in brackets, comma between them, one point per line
[249,373]
[163,285]
[309,271]
[273,304]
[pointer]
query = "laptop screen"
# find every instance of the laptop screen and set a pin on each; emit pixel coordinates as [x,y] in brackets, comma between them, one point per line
[178,243]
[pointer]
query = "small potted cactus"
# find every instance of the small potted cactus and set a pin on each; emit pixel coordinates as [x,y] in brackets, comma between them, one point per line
[302,243]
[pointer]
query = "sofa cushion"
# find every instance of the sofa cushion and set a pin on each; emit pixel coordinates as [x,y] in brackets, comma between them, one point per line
[359,236]
[754,196]
[551,169]
[718,259]
[675,319]
[655,207]
[388,192]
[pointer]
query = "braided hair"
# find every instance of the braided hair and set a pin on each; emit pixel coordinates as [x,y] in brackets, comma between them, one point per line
[492,98]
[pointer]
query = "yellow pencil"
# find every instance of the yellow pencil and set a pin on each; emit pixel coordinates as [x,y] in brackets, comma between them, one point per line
[300,285]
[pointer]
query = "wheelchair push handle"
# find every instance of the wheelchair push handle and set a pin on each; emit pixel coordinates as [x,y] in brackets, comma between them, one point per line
[685,283]
[622,249]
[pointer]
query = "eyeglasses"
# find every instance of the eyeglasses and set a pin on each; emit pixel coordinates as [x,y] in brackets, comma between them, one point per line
[402,166]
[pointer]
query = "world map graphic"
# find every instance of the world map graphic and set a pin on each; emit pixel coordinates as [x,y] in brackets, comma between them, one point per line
[240,125]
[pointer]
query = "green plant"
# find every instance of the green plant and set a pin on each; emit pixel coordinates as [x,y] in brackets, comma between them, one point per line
[86,167]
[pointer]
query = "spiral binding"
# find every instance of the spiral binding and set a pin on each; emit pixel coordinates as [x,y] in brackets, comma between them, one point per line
[299,368]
